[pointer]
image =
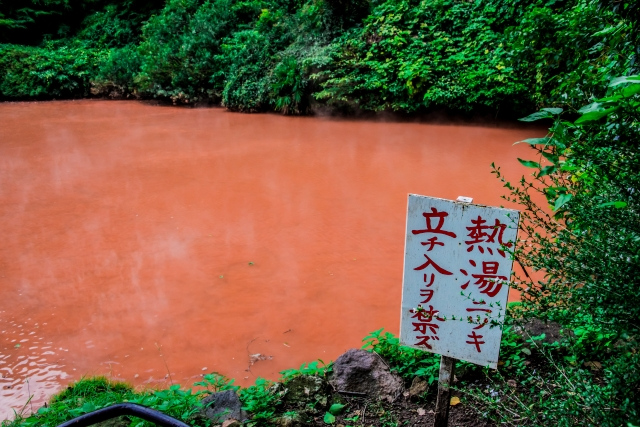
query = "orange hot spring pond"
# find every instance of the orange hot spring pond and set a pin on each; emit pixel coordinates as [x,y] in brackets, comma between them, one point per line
[139,240]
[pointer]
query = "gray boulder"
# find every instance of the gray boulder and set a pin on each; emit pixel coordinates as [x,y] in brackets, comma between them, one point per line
[364,372]
[222,406]
[306,388]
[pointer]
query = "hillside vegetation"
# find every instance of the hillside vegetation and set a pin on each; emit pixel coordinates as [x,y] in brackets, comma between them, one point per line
[506,57]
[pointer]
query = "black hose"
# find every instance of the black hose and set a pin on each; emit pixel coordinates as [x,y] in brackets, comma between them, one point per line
[120,409]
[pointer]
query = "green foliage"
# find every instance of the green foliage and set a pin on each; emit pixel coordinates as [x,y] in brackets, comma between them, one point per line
[80,398]
[316,368]
[411,55]
[260,400]
[587,171]
[65,62]
[91,394]
[117,71]
[401,55]
[175,402]
[571,49]
[269,66]
[215,382]
[330,415]
[179,48]
[564,397]
[18,17]
[247,87]
[514,350]
[495,55]
[54,70]
[406,361]
[586,243]
[105,23]
[116,25]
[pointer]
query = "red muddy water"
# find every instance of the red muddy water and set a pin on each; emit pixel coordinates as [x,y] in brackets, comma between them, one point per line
[140,240]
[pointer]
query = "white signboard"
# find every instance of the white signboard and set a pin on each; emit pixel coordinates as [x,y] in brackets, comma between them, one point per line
[456,264]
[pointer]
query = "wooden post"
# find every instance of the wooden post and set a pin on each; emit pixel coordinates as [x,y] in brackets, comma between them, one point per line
[447,367]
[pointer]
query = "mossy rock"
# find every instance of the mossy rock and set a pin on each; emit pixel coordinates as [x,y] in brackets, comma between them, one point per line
[307,389]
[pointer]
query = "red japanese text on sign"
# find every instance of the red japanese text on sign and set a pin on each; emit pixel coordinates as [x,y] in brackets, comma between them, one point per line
[452,247]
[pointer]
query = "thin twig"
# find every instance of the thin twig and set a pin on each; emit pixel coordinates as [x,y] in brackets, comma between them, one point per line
[364,411]
[30,396]
[159,347]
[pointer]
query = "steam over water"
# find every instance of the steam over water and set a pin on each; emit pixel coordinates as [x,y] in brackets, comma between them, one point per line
[138,239]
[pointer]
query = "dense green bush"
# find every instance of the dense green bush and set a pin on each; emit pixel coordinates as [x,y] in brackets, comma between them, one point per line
[404,55]
[411,55]
[31,22]
[588,248]
[116,25]
[115,76]
[250,56]
[178,49]
[53,70]
[571,51]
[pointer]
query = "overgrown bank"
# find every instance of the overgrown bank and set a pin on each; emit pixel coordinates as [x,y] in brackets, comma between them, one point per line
[504,57]
[310,395]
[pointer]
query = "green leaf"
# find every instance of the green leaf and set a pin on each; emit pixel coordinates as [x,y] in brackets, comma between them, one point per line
[617,205]
[526,351]
[529,163]
[604,32]
[625,79]
[535,141]
[594,106]
[329,418]
[561,201]
[554,111]
[552,157]
[547,170]
[630,90]
[88,407]
[537,116]
[609,99]
[336,408]
[595,115]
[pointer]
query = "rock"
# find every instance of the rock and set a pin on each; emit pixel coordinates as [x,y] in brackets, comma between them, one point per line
[306,388]
[360,371]
[418,387]
[222,406]
[552,331]
[232,423]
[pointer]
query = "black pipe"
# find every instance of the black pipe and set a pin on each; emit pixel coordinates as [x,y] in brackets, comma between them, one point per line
[120,409]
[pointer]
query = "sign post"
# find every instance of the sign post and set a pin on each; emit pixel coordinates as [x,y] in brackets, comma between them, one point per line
[454,292]
[447,371]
